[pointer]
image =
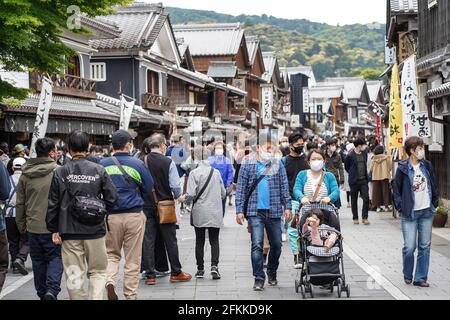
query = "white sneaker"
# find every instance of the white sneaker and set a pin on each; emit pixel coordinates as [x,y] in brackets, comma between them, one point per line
[283,237]
[379,210]
[298,266]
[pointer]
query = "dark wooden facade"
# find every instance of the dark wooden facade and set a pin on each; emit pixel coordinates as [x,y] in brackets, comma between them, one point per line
[434,26]
[441,165]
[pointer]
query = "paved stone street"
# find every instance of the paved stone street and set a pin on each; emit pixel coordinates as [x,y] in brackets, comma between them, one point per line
[372,266]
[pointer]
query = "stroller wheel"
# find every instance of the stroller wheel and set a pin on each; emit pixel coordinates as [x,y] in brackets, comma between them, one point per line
[302,290]
[347,290]
[332,287]
[297,285]
[311,293]
[339,288]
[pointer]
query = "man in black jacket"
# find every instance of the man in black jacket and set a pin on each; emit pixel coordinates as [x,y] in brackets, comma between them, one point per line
[83,242]
[358,178]
[5,188]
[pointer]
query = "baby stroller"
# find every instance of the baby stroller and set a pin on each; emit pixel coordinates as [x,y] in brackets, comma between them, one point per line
[321,268]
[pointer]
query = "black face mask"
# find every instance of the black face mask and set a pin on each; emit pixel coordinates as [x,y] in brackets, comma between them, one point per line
[298,150]
[247,152]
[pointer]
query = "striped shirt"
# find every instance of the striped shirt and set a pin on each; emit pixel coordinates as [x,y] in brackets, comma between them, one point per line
[311,186]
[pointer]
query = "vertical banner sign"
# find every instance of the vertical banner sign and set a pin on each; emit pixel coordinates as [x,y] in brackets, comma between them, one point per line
[419,124]
[409,94]
[267,103]
[305,100]
[395,113]
[126,109]
[40,125]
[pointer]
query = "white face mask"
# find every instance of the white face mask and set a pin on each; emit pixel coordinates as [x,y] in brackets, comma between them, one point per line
[317,165]
[219,152]
[265,156]
[420,154]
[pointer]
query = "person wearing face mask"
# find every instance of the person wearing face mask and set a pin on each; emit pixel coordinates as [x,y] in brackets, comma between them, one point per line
[262,198]
[416,198]
[333,161]
[224,165]
[358,178]
[284,146]
[294,163]
[308,182]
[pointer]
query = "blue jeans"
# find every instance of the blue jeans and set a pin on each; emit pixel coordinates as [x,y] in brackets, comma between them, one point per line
[47,264]
[417,232]
[273,228]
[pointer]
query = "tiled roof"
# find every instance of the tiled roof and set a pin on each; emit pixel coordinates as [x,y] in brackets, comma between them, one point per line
[374,88]
[404,6]
[443,90]
[140,25]
[222,69]
[252,47]
[211,39]
[306,70]
[103,28]
[67,106]
[270,60]
[354,86]
[326,91]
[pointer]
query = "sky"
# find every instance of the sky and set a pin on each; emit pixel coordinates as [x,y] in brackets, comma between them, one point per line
[327,11]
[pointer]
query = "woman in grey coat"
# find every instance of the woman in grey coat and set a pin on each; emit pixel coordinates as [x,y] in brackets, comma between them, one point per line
[205,211]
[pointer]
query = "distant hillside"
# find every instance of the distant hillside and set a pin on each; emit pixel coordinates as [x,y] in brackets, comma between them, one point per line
[332,50]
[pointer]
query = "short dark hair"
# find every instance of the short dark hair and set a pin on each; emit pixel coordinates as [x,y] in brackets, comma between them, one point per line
[293,138]
[44,146]
[378,150]
[318,151]
[316,212]
[78,141]
[359,142]
[331,141]
[413,143]
[312,145]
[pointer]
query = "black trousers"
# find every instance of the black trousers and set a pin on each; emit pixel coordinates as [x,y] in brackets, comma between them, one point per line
[169,236]
[161,260]
[200,235]
[18,243]
[4,258]
[361,188]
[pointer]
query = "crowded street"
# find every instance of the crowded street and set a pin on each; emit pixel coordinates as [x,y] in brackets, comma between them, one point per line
[371,260]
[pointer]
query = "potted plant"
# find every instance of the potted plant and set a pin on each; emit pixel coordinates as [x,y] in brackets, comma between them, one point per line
[440,217]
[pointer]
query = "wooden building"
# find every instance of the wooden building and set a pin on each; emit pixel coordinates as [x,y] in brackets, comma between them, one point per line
[434,75]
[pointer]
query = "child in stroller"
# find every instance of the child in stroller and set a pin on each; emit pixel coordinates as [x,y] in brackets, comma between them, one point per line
[318,233]
[320,244]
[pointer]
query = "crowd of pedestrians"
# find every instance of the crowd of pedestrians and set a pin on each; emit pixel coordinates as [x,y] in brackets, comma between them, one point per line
[78,209]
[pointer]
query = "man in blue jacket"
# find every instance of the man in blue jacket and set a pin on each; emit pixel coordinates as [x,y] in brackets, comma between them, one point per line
[416,198]
[220,162]
[262,198]
[126,220]
[5,188]
[358,178]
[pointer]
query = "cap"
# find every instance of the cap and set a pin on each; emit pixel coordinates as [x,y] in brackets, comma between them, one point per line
[19,148]
[18,162]
[120,138]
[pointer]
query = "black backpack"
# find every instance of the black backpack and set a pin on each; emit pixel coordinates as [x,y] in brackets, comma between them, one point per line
[86,209]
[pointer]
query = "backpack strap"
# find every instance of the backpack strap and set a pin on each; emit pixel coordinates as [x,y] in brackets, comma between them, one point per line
[253,187]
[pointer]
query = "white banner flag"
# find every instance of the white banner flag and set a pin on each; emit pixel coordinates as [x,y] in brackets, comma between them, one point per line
[40,125]
[267,103]
[126,109]
[409,94]
[419,125]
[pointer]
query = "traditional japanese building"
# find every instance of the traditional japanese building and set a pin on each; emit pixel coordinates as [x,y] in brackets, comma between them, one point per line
[433,67]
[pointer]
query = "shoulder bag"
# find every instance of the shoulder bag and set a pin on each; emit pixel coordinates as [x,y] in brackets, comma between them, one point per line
[253,188]
[165,209]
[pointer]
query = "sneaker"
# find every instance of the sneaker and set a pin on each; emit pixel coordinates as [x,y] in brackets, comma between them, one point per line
[215,273]
[365,222]
[49,296]
[111,292]
[200,274]
[379,210]
[272,280]
[408,281]
[355,222]
[283,237]
[259,285]
[297,262]
[18,263]
[182,277]
[150,281]
[422,284]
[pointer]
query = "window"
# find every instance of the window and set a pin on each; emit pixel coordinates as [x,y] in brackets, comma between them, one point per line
[152,82]
[75,68]
[98,71]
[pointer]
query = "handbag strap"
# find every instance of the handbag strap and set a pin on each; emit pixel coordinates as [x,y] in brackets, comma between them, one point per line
[316,193]
[204,186]
[127,177]
[154,181]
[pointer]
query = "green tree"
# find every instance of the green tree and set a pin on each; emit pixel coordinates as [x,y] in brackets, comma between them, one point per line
[29,35]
